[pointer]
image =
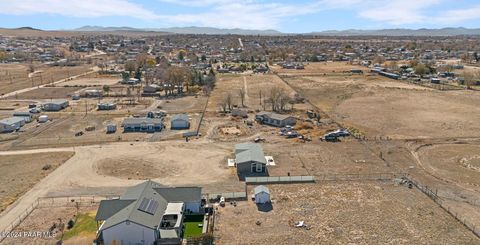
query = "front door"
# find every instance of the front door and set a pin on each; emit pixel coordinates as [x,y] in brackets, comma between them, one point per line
[259,168]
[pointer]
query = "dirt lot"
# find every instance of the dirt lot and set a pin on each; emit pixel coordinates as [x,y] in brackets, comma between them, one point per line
[93,81]
[41,219]
[16,77]
[47,93]
[459,163]
[21,172]
[359,213]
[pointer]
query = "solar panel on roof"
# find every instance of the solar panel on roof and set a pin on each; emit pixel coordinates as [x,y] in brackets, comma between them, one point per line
[148,206]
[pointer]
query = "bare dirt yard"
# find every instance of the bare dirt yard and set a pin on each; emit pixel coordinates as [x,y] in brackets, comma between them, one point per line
[93,81]
[345,213]
[21,172]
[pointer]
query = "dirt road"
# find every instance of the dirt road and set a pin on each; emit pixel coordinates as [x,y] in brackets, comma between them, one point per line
[86,169]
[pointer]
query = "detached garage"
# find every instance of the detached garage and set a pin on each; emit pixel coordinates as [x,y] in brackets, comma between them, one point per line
[262,194]
[180,121]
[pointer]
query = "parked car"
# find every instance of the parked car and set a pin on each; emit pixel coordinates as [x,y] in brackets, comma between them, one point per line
[34,111]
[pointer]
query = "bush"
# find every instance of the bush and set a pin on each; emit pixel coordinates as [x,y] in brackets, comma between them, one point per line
[46,167]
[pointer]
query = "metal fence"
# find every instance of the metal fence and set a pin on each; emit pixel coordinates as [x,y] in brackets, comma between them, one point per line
[359,177]
[212,197]
[279,180]
[443,204]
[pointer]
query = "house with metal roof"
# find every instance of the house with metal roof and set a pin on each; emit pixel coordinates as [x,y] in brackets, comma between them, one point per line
[142,124]
[148,213]
[275,119]
[11,124]
[55,105]
[250,160]
[180,121]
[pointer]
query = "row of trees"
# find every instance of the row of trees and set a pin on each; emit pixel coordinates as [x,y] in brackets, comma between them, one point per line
[276,98]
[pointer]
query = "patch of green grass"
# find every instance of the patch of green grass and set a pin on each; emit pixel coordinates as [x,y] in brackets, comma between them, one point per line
[191,223]
[84,225]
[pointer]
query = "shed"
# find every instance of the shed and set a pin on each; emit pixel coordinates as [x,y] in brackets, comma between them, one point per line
[111,128]
[27,116]
[262,194]
[180,121]
[43,118]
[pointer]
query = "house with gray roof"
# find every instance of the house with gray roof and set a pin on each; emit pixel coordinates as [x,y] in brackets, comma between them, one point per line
[275,119]
[142,124]
[148,213]
[250,160]
[55,105]
[11,124]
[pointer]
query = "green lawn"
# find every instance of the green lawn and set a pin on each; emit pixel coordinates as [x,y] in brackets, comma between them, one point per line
[84,225]
[191,223]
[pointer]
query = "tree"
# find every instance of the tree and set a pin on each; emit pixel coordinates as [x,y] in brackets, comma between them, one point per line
[242,92]
[106,89]
[130,67]
[421,69]
[471,78]
[204,58]
[125,76]
[181,54]
[31,68]
[138,74]
[228,101]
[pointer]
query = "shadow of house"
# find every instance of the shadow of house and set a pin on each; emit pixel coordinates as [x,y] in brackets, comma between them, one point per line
[250,161]
[264,207]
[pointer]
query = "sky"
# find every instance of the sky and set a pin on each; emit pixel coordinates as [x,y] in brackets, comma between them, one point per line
[289,16]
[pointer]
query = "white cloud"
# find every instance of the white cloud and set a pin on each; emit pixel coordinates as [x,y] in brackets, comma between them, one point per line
[459,15]
[76,8]
[398,12]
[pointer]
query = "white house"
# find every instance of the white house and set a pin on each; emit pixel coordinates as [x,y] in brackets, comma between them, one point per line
[262,194]
[143,124]
[148,213]
[180,121]
[11,124]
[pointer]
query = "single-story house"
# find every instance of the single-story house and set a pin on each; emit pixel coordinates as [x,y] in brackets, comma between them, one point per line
[180,121]
[25,115]
[142,124]
[250,160]
[262,194]
[55,105]
[151,88]
[11,124]
[148,213]
[275,119]
[106,106]
[93,93]
[239,113]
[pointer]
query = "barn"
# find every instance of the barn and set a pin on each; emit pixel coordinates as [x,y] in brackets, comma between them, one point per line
[180,121]
[262,194]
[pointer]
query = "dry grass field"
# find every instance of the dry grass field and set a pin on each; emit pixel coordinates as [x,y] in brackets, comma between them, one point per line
[319,68]
[47,93]
[22,172]
[341,213]
[16,76]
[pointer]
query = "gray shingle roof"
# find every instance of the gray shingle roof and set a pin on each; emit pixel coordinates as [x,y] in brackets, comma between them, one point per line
[140,120]
[248,152]
[126,208]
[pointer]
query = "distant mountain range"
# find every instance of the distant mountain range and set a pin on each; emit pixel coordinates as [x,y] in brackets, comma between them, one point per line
[184,30]
[403,32]
[460,31]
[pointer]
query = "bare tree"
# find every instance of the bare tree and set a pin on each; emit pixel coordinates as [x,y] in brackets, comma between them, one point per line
[242,92]
[229,101]
[471,78]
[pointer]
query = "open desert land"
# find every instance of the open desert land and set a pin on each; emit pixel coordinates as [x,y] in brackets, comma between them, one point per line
[343,213]
[380,106]
[21,172]
[15,77]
